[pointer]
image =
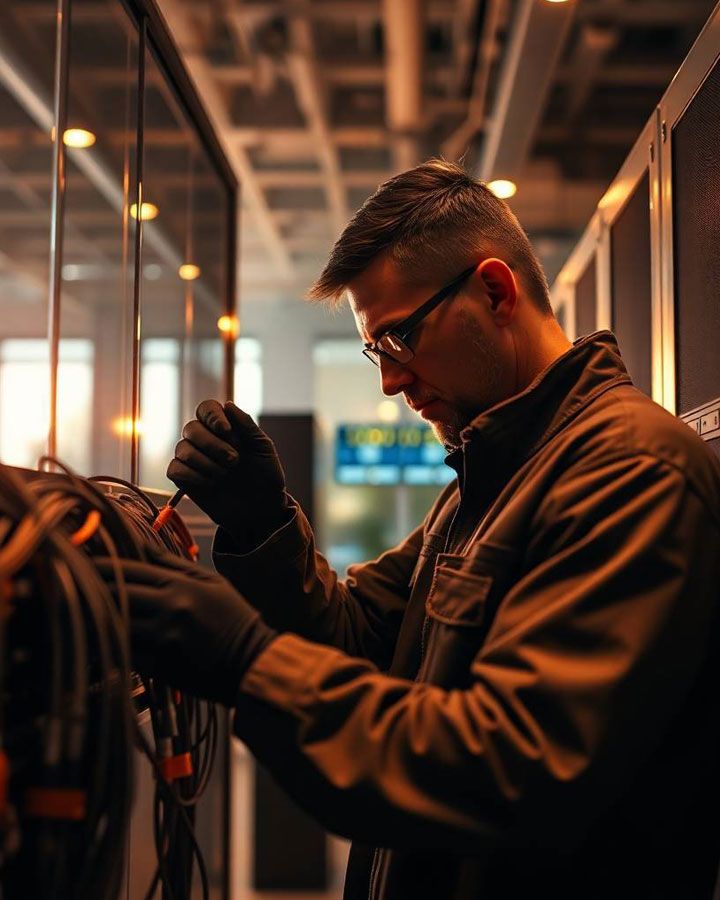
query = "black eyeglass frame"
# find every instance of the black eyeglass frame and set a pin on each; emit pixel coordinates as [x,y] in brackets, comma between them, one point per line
[401,331]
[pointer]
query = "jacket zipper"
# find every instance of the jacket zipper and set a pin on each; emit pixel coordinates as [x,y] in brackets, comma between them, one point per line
[426,620]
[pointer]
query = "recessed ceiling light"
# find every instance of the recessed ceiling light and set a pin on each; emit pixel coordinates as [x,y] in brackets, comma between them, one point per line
[229,325]
[189,271]
[126,426]
[148,211]
[502,188]
[79,138]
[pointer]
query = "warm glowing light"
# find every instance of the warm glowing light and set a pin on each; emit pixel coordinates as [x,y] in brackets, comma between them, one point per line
[388,411]
[78,138]
[148,211]
[557,1]
[125,426]
[229,325]
[189,271]
[502,188]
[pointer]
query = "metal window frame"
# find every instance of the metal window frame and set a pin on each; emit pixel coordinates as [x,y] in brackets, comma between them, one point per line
[685,85]
[57,210]
[653,152]
[563,291]
[153,35]
[643,158]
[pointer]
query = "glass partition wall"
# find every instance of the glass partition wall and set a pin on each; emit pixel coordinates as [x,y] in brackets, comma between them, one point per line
[116,241]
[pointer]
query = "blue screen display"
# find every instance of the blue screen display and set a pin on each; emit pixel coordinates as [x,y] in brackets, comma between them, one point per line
[389,454]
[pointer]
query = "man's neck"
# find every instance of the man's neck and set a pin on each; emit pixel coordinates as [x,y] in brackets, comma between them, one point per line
[542,346]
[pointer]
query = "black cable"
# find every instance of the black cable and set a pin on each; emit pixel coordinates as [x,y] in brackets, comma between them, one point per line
[87,680]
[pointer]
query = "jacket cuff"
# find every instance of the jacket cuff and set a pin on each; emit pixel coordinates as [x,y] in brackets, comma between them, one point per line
[284,674]
[286,542]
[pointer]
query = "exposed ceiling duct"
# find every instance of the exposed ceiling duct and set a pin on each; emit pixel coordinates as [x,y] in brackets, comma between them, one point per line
[538,36]
[404,35]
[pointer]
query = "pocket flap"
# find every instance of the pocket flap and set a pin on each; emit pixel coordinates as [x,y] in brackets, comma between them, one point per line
[465,584]
[457,597]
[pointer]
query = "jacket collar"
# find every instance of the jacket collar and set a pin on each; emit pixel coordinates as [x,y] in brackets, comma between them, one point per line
[512,431]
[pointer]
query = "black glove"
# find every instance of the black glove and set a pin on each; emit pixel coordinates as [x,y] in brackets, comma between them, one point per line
[230,468]
[188,625]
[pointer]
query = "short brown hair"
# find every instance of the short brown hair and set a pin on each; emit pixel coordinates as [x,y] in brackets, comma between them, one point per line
[435,220]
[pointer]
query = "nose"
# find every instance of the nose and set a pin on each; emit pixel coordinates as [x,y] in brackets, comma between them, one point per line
[394,377]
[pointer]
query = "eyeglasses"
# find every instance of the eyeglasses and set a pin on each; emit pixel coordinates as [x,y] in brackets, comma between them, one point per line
[392,343]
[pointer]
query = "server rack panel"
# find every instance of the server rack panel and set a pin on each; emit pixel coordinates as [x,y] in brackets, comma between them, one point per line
[689,114]
[569,295]
[586,300]
[631,289]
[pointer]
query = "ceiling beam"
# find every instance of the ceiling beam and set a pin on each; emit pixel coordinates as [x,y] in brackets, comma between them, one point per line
[643,12]
[350,136]
[602,135]
[592,47]
[403,29]
[312,99]
[201,72]
[360,178]
[458,142]
[357,12]
[536,42]
[625,75]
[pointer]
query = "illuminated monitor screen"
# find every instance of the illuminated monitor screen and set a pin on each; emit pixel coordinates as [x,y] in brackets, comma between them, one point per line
[389,454]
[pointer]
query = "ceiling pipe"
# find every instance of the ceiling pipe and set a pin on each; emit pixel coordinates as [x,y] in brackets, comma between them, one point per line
[404,38]
[538,36]
[458,141]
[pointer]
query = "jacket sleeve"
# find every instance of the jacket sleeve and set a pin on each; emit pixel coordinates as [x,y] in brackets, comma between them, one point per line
[294,588]
[590,655]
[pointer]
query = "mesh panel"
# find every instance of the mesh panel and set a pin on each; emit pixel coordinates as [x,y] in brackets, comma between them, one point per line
[586,301]
[696,202]
[632,285]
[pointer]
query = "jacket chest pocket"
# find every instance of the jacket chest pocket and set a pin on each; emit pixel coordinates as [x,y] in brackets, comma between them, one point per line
[464,594]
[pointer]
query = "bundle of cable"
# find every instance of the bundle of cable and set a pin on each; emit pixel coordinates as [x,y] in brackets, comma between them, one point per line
[70,703]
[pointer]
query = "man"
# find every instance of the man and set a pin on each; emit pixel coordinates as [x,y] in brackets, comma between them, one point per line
[520,699]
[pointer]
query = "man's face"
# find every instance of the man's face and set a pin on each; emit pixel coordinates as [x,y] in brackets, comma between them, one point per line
[464,361]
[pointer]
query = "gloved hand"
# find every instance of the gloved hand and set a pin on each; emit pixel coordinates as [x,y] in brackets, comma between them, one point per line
[188,625]
[230,468]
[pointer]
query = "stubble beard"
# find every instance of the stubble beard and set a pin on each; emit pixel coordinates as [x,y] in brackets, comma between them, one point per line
[484,379]
[448,432]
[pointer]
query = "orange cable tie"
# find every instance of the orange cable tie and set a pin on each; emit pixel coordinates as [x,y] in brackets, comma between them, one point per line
[174,767]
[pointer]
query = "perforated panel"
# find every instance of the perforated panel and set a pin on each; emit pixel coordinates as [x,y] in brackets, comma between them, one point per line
[632,285]
[586,301]
[696,212]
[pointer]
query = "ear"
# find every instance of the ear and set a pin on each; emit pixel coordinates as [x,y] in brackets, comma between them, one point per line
[500,285]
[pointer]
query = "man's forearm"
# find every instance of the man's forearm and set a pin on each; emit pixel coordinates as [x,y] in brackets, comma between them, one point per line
[294,588]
